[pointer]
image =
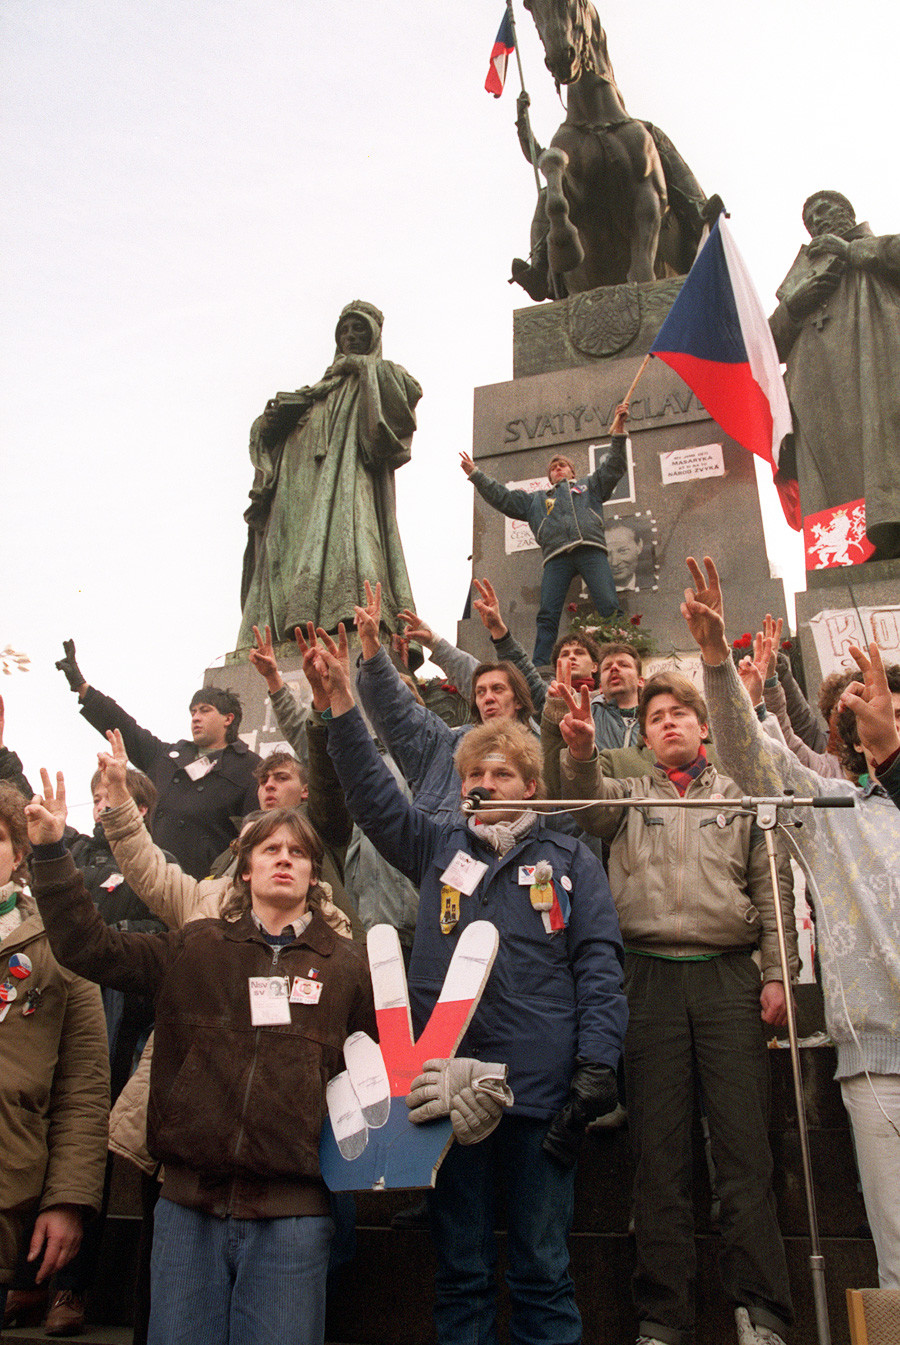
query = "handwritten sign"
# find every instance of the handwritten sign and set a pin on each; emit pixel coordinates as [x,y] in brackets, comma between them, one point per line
[835,630]
[517,534]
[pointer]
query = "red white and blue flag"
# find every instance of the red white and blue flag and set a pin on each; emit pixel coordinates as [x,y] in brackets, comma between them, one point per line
[504,46]
[717,339]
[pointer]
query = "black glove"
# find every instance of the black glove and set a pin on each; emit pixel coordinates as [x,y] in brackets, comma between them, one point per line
[67,665]
[592,1093]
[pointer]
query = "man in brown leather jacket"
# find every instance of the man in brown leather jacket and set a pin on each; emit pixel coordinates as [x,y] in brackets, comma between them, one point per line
[252,1014]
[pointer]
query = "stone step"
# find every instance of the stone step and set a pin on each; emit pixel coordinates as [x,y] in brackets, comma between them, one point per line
[386,1294]
[91,1335]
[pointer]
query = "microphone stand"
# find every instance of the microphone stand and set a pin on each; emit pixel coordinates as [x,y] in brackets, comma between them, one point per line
[765,811]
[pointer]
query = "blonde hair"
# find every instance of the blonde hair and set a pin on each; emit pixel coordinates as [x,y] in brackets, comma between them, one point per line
[513,740]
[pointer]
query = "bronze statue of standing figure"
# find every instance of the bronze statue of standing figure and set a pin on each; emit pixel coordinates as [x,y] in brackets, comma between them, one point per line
[837,328]
[322,516]
[620,203]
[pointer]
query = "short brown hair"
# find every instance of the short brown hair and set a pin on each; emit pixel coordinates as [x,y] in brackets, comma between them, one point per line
[504,735]
[584,641]
[140,787]
[273,761]
[12,815]
[258,832]
[846,730]
[619,647]
[517,684]
[561,457]
[671,684]
[831,688]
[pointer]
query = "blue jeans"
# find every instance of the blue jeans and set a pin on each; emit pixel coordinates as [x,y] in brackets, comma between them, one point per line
[593,566]
[462,1208]
[237,1281]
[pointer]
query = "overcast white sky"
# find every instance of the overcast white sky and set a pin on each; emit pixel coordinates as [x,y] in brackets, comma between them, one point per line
[193,192]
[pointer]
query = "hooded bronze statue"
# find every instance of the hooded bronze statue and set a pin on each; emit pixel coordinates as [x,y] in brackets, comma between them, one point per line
[322,516]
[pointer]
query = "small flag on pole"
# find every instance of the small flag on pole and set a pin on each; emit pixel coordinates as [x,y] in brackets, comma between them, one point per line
[717,338]
[504,46]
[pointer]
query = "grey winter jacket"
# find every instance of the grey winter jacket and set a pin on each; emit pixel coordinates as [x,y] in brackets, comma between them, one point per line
[567,515]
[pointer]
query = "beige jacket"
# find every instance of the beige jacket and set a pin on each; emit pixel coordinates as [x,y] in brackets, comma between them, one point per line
[176,898]
[54,1089]
[686,881]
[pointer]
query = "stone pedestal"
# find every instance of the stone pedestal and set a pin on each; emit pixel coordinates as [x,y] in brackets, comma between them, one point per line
[847,605]
[690,489]
[259,727]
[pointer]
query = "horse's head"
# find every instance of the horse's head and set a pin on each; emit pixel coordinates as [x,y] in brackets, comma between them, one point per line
[566,29]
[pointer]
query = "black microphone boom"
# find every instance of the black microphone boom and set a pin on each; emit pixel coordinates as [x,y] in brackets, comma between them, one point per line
[475,798]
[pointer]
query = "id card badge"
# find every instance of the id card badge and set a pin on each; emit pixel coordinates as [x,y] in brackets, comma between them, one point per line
[464,873]
[269,1000]
[195,770]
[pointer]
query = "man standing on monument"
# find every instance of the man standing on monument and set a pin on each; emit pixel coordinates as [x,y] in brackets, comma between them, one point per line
[322,510]
[837,327]
[567,522]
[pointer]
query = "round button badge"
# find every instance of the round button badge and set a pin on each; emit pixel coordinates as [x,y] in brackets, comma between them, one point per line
[20,966]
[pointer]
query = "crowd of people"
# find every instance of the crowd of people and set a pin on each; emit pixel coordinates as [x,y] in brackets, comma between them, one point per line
[199,963]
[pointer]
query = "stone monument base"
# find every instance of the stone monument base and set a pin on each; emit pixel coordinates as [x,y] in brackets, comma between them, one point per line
[847,605]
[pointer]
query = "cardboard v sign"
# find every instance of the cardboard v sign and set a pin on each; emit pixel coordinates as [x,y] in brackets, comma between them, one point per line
[368,1141]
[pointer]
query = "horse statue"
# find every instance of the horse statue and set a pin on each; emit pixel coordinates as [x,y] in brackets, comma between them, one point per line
[620,202]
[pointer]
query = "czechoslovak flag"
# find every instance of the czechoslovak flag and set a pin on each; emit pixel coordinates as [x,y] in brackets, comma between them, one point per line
[717,338]
[503,49]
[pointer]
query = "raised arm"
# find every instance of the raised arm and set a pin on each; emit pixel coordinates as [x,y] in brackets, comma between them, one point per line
[80,938]
[459,665]
[754,760]
[512,503]
[612,465]
[10,765]
[581,775]
[412,734]
[398,830]
[163,887]
[804,720]
[873,705]
[506,646]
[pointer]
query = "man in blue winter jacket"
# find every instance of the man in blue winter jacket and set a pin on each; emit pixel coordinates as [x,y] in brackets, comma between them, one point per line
[567,522]
[553,1008]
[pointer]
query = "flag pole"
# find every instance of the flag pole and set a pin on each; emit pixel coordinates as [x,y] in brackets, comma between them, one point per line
[531,145]
[634,382]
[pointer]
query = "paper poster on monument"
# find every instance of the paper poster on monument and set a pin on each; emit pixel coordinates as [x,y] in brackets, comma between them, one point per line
[624,491]
[517,535]
[631,547]
[835,630]
[692,464]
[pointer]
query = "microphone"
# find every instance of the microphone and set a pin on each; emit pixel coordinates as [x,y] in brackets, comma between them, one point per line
[475,798]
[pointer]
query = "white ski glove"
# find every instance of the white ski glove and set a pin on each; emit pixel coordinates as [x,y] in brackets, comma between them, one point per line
[471,1092]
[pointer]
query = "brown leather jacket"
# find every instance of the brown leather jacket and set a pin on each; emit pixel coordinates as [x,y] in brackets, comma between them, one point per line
[235,1111]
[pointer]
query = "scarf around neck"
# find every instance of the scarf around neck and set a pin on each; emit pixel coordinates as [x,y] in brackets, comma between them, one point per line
[502,836]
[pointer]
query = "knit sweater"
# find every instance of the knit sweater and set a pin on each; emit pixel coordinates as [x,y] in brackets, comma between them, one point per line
[854,855]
